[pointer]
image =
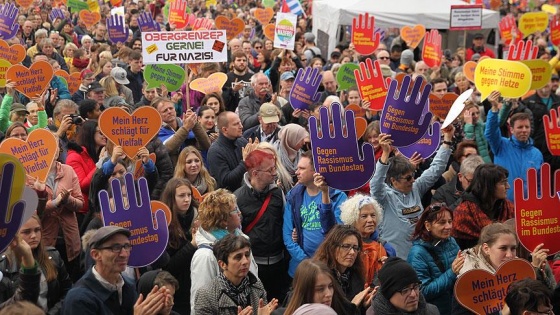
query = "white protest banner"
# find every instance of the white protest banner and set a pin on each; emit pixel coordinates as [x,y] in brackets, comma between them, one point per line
[465,17]
[184,47]
[285,31]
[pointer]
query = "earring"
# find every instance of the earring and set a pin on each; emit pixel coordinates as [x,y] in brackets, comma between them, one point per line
[428,230]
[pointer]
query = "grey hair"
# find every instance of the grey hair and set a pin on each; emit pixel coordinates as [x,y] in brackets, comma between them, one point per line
[65,104]
[41,33]
[350,209]
[470,163]
[86,37]
[255,77]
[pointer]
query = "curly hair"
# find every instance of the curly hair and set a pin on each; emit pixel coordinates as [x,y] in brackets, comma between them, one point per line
[350,209]
[215,208]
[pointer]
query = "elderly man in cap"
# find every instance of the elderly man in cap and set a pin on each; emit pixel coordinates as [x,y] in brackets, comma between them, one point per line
[249,105]
[96,92]
[267,129]
[103,290]
[478,48]
[119,74]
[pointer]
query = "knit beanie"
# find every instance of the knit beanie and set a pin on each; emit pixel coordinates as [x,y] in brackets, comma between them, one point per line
[407,57]
[395,275]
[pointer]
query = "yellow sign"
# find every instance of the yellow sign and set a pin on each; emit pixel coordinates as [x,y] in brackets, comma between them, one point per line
[93,5]
[541,72]
[549,9]
[533,22]
[18,180]
[4,65]
[511,78]
[211,3]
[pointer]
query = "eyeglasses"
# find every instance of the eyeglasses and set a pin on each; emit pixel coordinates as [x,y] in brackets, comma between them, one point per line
[348,247]
[383,58]
[269,171]
[408,290]
[235,211]
[117,248]
[407,178]
[258,47]
[469,180]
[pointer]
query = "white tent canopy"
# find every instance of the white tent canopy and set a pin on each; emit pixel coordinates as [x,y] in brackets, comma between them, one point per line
[328,15]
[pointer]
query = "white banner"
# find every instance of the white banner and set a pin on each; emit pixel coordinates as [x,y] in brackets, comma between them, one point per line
[285,31]
[184,47]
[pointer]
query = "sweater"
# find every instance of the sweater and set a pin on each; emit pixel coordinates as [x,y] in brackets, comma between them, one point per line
[226,162]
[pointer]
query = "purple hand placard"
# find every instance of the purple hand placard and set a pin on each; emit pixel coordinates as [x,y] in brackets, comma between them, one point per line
[116,29]
[381,32]
[427,145]
[8,26]
[55,14]
[147,24]
[304,91]
[336,154]
[406,117]
[148,227]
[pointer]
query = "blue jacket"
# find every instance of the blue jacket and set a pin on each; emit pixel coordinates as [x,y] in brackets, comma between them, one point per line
[63,93]
[515,156]
[437,287]
[329,215]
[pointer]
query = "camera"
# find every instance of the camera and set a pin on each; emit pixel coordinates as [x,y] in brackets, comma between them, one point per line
[76,119]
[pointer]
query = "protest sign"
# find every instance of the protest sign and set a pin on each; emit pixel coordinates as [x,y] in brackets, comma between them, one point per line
[522,51]
[549,9]
[269,3]
[145,219]
[116,29]
[431,52]
[537,218]
[8,24]
[345,76]
[285,30]
[508,29]
[184,47]
[77,5]
[364,37]
[24,4]
[93,5]
[511,78]
[33,81]
[532,22]
[457,108]
[440,106]
[304,91]
[90,18]
[483,292]
[264,15]
[336,154]
[213,83]
[413,35]
[552,132]
[468,70]
[465,17]
[4,65]
[74,82]
[130,131]
[14,53]
[406,116]
[427,145]
[178,13]
[17,201]
[541,72]
[36,154]
[232,27]
[371,84]
[172,76]
[555,30]
[147,24]
[117,11]
[269,31]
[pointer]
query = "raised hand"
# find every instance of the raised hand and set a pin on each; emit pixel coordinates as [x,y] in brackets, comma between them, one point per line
[555,30]
[8,15]
[552,131]
[202,23]
[178,13]
[523,51]
[431,52]
[371,84]
[426,146]
[147,24]
[336,155]
[55,14]
[364,37]
[148,225]
[10,214]
[413,108]
[117,30]
[304,91]
[533,211]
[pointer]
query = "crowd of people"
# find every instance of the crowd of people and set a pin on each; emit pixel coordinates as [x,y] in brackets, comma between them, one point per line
[254,228]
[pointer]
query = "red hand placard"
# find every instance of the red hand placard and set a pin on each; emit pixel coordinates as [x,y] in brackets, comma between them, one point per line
[537,218]
[371,84]
[523,51]
[508,30]
[555,30]
[431,54]
[178,14]
[364,38]
[552,131]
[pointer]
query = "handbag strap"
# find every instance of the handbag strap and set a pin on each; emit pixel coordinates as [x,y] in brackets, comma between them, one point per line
[259,215]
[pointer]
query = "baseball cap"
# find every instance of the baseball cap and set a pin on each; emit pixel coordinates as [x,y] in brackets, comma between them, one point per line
[386,71]
[475,57]
[18,107]
[85,73]
[104,233]
[119,74]
[287,76]
[554,77]
[95,87]
[478,36]
[269,113]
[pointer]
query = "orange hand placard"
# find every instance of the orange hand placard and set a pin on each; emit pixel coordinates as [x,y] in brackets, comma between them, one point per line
[232,27]
[37,154]
[213,83]
[130,131]
[412,36]
[33,81]
[14,53]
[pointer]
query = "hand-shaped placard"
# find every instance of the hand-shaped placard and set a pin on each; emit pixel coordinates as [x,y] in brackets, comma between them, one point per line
[537,217]
[427,145]
[8,25]
[336,154]
[55,14]
[178,14]
[431,53]
[147,24]
[371,84]
[304,91]
[364,37]
[117,30]
[148,227]
[523,51]
[555,30]
[552,131]
[508,30]
[406,117]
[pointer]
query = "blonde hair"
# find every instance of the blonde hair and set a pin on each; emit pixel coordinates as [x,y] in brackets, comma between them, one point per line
[215,208]
[110,86]
[180,171]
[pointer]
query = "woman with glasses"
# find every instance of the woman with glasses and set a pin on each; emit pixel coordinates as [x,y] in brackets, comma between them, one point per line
[484,201]
[434,256]
[364,213]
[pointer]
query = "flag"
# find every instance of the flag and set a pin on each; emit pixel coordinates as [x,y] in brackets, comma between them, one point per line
[292,6]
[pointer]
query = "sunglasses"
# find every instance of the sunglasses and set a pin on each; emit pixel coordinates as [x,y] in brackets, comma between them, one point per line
[383,58]
[407,178]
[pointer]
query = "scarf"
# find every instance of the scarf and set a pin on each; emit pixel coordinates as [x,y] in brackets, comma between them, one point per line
[343,279]
[288,137]
[80,63]
[382,306]
[239,294]
[200,185]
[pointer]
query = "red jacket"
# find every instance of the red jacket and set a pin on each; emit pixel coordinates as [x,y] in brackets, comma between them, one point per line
[84,166]
[485,52]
